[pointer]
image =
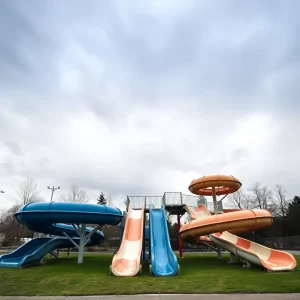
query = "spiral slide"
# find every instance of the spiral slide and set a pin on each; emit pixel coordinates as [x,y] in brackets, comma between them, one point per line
[216,226]
[163,259]
[48,218]
[127,261]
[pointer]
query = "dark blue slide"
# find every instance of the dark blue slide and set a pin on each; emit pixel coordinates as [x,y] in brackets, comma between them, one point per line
[163,260]
[47,217]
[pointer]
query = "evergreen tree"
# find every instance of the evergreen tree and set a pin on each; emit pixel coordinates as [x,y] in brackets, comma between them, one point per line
[296,200]
[294,216]
[102,200]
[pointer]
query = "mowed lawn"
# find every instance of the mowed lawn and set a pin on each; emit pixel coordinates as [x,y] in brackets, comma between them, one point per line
[199,273]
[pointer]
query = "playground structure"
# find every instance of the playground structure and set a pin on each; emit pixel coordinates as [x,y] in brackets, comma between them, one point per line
[49,218]
[213,226]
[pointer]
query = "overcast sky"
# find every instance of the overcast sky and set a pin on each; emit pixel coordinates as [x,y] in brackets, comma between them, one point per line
[141,97]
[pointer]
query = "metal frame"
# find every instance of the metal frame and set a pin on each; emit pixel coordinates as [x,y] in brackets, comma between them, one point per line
[84,238]
[176,208]
[218,207]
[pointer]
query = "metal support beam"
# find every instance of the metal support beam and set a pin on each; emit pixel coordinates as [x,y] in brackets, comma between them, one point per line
[219,251]
[222,198]
[52,253]
[76,229]
[81,243]
[71,240]
[231,260]
[92,232]
[179,237]
[247,264]
[210,246]
[215,200]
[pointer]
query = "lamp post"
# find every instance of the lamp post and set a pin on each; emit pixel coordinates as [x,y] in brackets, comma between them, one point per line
[53,189]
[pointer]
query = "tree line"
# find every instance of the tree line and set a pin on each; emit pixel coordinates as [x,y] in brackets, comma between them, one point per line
[286,211]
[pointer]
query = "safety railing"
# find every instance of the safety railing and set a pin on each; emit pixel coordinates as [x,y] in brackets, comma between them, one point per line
[153,202]
[170,199]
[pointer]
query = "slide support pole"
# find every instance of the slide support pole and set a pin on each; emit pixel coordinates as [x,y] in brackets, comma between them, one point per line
[215,200]
[81,244]
[231,260]
[179,237]
[220,255]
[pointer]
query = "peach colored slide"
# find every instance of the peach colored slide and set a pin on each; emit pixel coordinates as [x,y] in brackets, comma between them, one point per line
[127,260]
[217,227]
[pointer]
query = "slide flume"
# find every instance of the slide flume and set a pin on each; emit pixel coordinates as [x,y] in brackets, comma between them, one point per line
[217,227]
[33,251]
[163,260]
[46,217]
[127,261]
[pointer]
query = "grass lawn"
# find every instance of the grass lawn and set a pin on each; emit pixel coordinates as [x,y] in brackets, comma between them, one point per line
[200,273]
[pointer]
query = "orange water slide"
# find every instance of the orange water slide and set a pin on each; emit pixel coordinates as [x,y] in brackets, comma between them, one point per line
[127,260]
[217,227]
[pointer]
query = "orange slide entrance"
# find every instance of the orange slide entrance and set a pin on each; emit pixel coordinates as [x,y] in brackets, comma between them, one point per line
[127,261]
[219,227]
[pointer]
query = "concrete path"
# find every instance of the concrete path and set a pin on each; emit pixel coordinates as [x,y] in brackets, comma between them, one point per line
[170,297]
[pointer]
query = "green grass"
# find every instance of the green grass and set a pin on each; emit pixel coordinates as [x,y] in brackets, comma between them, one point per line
[200,273]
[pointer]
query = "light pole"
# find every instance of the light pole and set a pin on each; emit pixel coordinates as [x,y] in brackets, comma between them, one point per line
[53,189]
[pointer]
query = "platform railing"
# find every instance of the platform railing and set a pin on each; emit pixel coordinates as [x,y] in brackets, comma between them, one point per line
[137,202]
[172,198]
[190,200]
[153,202]
[169,199]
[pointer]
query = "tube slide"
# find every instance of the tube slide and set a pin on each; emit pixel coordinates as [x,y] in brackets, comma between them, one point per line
[45,218]
[127,261]
[216,226]
[163,260]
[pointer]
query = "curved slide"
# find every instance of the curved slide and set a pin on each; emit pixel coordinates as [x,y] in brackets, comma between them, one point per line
[47,217]
[163,260]
[216,226]
[127,261]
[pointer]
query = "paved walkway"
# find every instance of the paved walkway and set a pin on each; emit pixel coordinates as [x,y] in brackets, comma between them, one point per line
[170,297]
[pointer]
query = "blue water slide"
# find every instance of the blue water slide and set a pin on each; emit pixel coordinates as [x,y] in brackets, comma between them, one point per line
[163,260]
[49,218]
[33,251]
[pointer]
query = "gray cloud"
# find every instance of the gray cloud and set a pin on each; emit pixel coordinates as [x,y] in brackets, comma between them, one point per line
[144,97]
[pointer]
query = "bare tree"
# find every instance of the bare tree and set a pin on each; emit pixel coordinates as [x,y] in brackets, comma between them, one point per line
[261,197]
[9,224]
[28,192]
[281,202]
[240,200]
[75,195]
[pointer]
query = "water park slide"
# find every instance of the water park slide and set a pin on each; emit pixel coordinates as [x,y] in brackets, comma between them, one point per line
[33,251]
[163,260]
[216,226]
[44,218]
[127,260]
